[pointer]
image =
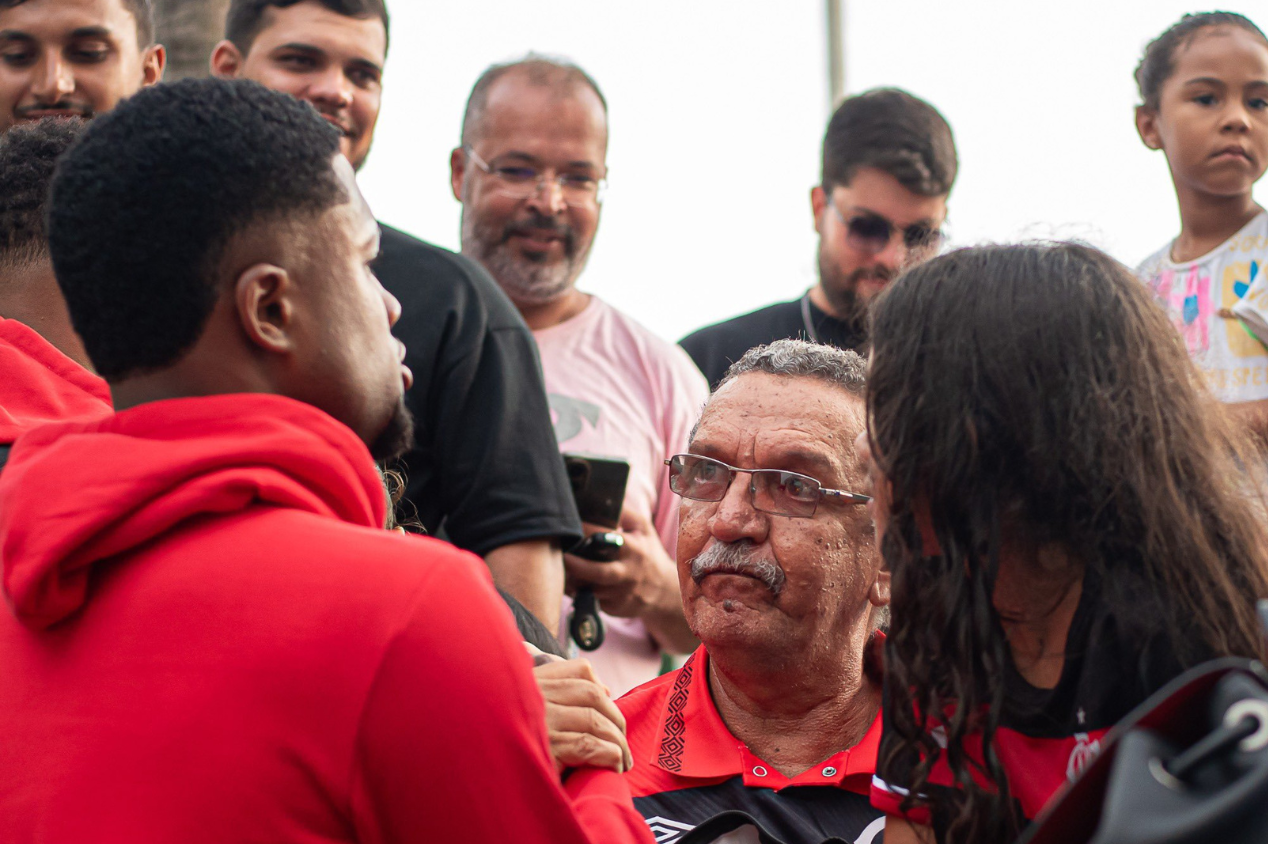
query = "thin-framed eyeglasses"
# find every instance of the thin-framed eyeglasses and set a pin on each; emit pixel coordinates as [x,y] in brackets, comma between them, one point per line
[520,181]
[869,232]
[771,491]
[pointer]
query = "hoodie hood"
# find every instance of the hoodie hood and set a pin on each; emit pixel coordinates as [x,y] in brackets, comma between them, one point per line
[76,493]
[41,384]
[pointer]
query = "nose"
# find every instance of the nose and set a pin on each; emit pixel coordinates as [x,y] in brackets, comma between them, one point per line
[332,87]
[735,518]
[1236,117]
[548,197]
[393,306]
[54,80]
[894,255]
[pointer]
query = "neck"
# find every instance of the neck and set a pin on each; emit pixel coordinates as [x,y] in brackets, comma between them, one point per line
[1206,221]
[794,714]
[31,297]
[820,300]
[554,312]
[1036,599]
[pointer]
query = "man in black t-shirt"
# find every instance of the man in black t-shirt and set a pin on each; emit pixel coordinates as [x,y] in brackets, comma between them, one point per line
[485,466]
[889,161]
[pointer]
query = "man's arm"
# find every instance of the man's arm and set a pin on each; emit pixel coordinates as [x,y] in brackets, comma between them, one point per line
[452,743]
[533,572]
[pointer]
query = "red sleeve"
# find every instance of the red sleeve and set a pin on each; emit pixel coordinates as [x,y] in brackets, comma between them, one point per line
[452,745]
[603,804]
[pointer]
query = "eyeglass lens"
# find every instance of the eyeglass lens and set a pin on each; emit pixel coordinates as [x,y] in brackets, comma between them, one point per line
[872,233]
[773,491]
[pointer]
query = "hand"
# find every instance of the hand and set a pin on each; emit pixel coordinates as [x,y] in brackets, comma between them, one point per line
[641,580]
[585,726]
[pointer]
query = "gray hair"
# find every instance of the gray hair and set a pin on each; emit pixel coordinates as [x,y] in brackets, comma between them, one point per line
[841,367]
[547,71]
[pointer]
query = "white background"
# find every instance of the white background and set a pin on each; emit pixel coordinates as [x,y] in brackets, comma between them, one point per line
[718,111]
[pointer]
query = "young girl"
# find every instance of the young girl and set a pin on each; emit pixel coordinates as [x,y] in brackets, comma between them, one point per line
[1204,88]
[1058,502]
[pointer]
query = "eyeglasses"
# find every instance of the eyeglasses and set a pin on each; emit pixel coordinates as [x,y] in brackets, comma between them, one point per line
[871,233]
[771,491]
[520,181]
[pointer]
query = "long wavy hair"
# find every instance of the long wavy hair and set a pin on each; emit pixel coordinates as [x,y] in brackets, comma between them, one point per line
[1037,391]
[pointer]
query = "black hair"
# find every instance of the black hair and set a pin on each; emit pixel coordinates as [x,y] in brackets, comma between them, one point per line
[28,154]
[246,18]
[895,132]
[1035,398]
[144,206]
[142,11]
[1158,62]
[531,628]
[541,70]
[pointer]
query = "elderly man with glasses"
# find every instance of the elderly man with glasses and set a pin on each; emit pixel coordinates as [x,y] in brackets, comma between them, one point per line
[769,732]
[889,162]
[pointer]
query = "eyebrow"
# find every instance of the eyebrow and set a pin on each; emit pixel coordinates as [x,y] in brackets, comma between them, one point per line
[534,160]
[81,32]
[926,222]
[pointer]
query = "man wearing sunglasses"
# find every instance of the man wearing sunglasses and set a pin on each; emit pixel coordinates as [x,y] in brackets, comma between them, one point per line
[773,723]
[889,161]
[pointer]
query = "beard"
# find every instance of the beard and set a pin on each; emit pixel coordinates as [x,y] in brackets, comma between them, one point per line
[842,290]
[528,280]
[737,558]
[397,437]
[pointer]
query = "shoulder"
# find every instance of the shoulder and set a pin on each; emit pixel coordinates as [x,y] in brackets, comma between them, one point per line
[642,702]
[415,271]
[744,327]
[1152,266]
[664,360]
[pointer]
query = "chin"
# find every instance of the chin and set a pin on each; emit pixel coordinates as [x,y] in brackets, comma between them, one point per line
[397,436]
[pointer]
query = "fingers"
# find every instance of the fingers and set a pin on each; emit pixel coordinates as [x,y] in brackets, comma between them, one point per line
[539,656]
[633,521]
[585,726]
[590,573]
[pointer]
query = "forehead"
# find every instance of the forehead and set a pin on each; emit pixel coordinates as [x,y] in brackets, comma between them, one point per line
[313,25]
[1221,52]
[761,417]
[55,20]
[362,226]
[874,190]
[535,116]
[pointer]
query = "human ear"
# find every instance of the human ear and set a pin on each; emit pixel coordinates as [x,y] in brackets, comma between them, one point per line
[226,61]
[878,595]
[153,63]
[1147,127]
[818,202]
[266,311]
[457,171]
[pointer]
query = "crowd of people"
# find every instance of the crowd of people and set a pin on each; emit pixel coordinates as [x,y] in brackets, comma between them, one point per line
[291,550]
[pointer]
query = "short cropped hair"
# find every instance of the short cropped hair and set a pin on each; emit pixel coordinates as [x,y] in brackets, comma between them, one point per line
[28,154]
[246,18]
[1159,60]
[142,12]
[841,367]
[542,70]
[143,208]
[894,132]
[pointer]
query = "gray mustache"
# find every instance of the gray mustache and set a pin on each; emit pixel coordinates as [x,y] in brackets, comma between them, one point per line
[737,558]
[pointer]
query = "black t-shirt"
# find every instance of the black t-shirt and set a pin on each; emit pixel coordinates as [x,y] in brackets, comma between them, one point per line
[715,347]
[485,465]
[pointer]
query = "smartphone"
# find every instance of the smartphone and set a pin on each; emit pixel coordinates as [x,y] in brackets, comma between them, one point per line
[598,487]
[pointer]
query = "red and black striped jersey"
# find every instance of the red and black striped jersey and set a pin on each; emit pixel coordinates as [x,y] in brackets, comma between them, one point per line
[1046,737]
[696,783]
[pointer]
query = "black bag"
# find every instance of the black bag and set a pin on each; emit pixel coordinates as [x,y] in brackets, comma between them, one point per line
[1188,766]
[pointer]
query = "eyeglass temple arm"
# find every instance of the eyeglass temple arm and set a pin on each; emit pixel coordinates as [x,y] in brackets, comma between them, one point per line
[852,497]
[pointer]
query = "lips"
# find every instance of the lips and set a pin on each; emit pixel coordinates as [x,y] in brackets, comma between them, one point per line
[1232,152]
[342,126]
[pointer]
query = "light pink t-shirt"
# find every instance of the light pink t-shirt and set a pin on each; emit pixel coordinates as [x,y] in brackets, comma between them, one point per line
[617,390]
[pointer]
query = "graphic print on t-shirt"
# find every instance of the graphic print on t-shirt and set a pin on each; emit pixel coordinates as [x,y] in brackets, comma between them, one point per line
[569,415]
[1237,280]
[1188,300]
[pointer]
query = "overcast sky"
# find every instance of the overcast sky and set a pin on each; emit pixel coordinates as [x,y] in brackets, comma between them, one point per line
[718,109]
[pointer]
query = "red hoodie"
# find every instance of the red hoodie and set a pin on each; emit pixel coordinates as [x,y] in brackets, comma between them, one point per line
[39,384]
[212,640]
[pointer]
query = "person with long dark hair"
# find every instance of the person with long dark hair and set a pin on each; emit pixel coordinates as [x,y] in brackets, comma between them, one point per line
[1067,522]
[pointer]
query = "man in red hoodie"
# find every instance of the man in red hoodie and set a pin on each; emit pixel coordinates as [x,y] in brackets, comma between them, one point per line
[47,374]
[211,637]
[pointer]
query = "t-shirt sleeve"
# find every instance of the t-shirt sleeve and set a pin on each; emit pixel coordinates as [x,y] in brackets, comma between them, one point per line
[452,744]
[485,459]
[1252,310]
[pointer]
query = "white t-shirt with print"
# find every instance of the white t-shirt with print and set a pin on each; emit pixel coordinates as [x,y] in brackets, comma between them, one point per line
[1219,303]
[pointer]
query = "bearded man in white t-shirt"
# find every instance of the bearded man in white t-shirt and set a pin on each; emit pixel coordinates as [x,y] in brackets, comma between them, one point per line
[530,175]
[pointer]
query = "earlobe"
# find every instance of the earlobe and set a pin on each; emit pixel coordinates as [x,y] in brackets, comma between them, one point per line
[154,64]
[226,61]
[263,296]
[457,171]
[878,595]
[818,202]
[1147,127]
